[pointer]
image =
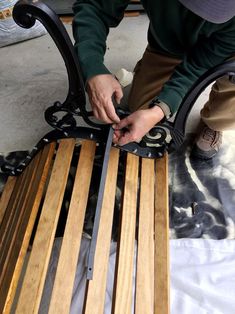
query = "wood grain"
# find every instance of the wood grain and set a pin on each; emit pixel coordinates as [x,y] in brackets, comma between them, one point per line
[25,229]
[66,270]
[34,279]
[145,256]
[162,285]
[124,282]
[9,245]
[5,197]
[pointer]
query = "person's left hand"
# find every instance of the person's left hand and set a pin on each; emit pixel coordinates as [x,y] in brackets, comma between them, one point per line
[136,125]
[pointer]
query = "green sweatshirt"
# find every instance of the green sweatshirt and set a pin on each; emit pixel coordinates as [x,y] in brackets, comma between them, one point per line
[173,30]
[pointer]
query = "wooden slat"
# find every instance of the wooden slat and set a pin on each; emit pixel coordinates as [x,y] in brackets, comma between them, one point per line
[97,286]
[8,188]
[34,279]
[161,289]
[10,211]
[124,283]
[145,257]
[26,227]
[66,270]
[16,219]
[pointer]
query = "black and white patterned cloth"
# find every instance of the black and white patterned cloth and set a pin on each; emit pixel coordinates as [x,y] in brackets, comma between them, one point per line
[202,193]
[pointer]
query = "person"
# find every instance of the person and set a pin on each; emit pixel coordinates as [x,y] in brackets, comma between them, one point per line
[185,39]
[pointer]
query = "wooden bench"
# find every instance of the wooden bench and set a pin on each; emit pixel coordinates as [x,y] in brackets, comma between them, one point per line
[31,203]
[39,191]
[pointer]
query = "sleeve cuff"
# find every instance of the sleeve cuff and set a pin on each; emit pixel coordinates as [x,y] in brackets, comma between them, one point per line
[91,67]
[171,98]
[165,108]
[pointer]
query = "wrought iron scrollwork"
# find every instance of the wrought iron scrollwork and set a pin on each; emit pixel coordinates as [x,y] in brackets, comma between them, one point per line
[163,137]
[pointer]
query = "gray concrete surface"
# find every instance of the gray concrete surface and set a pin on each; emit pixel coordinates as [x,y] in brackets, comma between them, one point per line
[33,76]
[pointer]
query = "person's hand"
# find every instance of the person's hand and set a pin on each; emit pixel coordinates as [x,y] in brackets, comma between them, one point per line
[136,125]
[100,89]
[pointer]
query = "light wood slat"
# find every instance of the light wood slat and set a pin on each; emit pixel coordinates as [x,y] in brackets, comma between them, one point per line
[162,286]
[10,211]
[8,188]
[16,219]
[97,286]
[124,284]
[8,227]
[26,227]
[66,270]
[145,257]
[33,283]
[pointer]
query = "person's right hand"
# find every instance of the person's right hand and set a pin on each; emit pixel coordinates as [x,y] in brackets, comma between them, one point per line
[100,89]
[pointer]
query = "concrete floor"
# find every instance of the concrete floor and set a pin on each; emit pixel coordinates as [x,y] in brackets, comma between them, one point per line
[33,76]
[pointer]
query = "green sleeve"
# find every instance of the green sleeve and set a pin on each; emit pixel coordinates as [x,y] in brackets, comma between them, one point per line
[205,55]
[91,24]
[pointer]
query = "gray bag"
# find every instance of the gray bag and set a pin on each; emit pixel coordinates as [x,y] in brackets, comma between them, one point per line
[10,32]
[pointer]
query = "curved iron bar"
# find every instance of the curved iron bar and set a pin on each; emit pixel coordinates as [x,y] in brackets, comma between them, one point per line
[177,129]
[25,13]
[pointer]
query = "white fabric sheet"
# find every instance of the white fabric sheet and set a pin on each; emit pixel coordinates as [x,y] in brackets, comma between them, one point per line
[202,277]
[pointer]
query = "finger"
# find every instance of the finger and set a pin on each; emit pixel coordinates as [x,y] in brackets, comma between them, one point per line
[103,116]
[118,94]
[115,138]
[95,113]
[125,138]
[123,123]
[116,135]
[111,113]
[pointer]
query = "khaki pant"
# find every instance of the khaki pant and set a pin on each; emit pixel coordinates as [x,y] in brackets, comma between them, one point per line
[153,70]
